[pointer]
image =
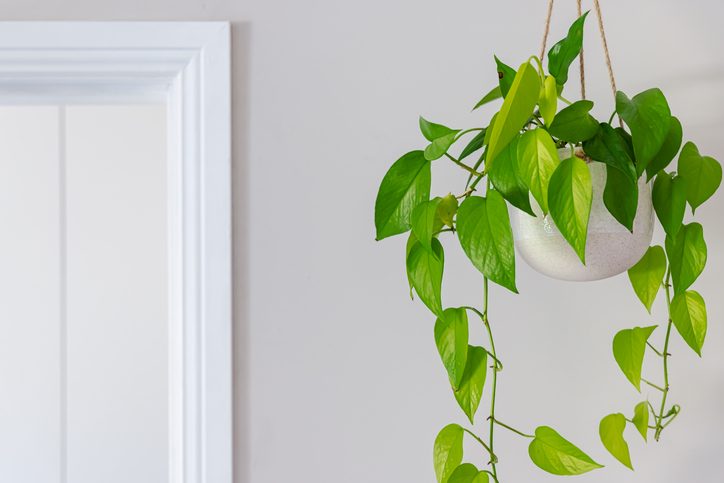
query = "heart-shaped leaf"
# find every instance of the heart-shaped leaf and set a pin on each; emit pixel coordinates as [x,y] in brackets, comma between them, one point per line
[648,275]
[505,178]
[621,196]
[641,419]
[537,161]
[611,432]
[424,271]
[702,174]
[406,185]
[649,118]
[669,197]
[451,338]
[468,473]
[574,124]
[629,347]
[556,455]
[438,148]
[668,150]
[471,387]
[687,255]
[448,451]
[487,239]
[563,53]
[423,221]
[515,112]
[611,147]
[688,312]
[570,195]
[433,131]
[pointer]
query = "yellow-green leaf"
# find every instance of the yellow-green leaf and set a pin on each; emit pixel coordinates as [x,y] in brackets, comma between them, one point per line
[648,275]
[688,312]
[641,419]
[629,347]
[424,270]
[702,175]
[448,451]
[570,195]
[451,339]
[471,387]
[611,432]
[537,161]
[468,473]
[687,255]
[516,110]
[556,455]
[548,103]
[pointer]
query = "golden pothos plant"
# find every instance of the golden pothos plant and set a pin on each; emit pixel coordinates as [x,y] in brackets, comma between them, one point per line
[517,157]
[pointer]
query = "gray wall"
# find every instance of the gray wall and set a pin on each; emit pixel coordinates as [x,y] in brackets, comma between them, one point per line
[337,375]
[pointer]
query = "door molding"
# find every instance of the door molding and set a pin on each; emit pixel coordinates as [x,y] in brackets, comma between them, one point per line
[187,64]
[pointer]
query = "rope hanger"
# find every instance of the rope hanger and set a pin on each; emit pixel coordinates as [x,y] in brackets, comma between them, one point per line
[602,32]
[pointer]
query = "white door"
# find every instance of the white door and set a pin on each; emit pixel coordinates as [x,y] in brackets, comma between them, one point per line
[84,363]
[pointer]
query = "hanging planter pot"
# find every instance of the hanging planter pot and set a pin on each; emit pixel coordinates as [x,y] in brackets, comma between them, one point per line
[611,248]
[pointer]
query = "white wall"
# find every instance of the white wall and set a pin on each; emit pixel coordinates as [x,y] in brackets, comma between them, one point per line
[338,378]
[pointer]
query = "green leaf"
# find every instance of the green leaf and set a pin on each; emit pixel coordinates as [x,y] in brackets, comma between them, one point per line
[570,195]
[446,210]
[406,185]
[621,196]
[487,239]
[468,473]
[476,143]
[537,161]
[668,151]
[702,175]
[629,347]
[448,451]
[471,387]
[610,146]
[688,312]
[433,131]
[556,455]
[438,148]
[641,419]
[495,93]
[574,124]
[565,51]
[423,221]
[516,110]
[548,102]
[611,432]
[451,338]
[669,197]
[649,118]
[687,255]
[424,270]
[506,75]
[648,275]
[505,178]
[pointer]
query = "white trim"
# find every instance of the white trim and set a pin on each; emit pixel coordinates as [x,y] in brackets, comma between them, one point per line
[185,64]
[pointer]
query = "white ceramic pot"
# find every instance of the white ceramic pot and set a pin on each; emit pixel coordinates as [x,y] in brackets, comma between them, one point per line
[610,250]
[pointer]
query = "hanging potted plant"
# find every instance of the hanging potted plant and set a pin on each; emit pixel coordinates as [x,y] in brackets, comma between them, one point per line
[583,195]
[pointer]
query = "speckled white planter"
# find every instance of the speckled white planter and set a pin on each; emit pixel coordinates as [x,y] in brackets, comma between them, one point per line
[611,249]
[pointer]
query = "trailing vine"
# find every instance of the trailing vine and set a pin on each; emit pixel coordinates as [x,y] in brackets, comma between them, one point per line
[518,159]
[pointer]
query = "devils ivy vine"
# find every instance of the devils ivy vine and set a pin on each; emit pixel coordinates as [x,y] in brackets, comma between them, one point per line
[516,159]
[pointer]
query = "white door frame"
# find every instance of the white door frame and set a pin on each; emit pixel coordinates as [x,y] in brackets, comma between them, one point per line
[188,64]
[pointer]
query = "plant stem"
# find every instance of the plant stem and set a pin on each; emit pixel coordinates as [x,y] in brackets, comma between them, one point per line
[493,458]
[659,419]
[464,166]
[491,439]
[654,349]
[466,131]
[510,428]
[652,385]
